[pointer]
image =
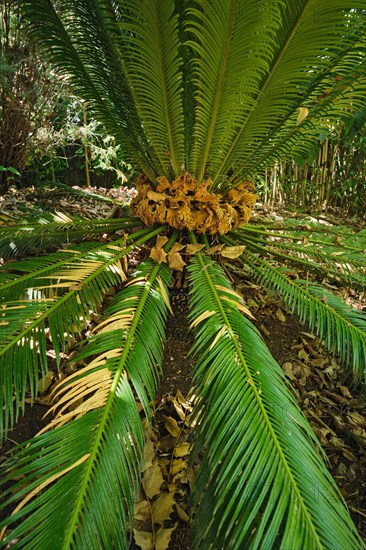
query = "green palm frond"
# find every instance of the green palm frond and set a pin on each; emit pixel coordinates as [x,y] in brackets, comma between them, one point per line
[81,478]
[261,483]
[19,276]
[341,327]
[59,296]
[222,65]
[154,70]
[340,255]
[306,33]
[244,68]
[18,239]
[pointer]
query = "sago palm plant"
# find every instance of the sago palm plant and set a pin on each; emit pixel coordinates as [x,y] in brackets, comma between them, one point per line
[203,94]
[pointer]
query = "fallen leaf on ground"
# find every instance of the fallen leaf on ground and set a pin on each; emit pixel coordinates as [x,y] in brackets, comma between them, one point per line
[178,466]
[162,507]
[345,392]
[153,480]
[232,252]
[142,511]
[281,315]
[143,539]
[149,452]
[193,248]
[163,537]
[182,513]
[303,355]
[172,425]
[182,450]
[287,369]
[158,254]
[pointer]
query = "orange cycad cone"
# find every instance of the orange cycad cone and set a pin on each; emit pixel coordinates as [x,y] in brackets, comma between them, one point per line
[184,205]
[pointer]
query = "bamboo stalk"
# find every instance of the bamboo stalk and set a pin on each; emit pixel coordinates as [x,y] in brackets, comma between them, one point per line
[86,152]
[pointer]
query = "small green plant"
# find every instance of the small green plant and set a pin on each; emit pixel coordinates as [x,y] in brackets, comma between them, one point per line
[9,169]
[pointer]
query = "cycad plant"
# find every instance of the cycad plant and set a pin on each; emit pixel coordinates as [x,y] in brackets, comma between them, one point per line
[203,94]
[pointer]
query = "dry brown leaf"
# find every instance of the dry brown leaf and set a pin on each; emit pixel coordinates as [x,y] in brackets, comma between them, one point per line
[149,453]
[157,197]
[179,409]
[345,392]
[287,369]
[182,513]
[162,507]
[153,480]
[215,249]
[161,240]
[158,254]
[163,537]
[303,113]
[232,252]
[193,248]
[183,401]
[142,511]
[143,539]
[266,332]
[172,425]
[309,335]
[337,398]
[319,362]
[358,418]
[179,465]
[301,372]
[330,371]
[303,355]
[177,247]
[181,450]
[281,315]
[348,455]
[176,261]
[167,443]
[321,434]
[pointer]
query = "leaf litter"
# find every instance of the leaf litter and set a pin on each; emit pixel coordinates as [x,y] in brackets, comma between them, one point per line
[165,480]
